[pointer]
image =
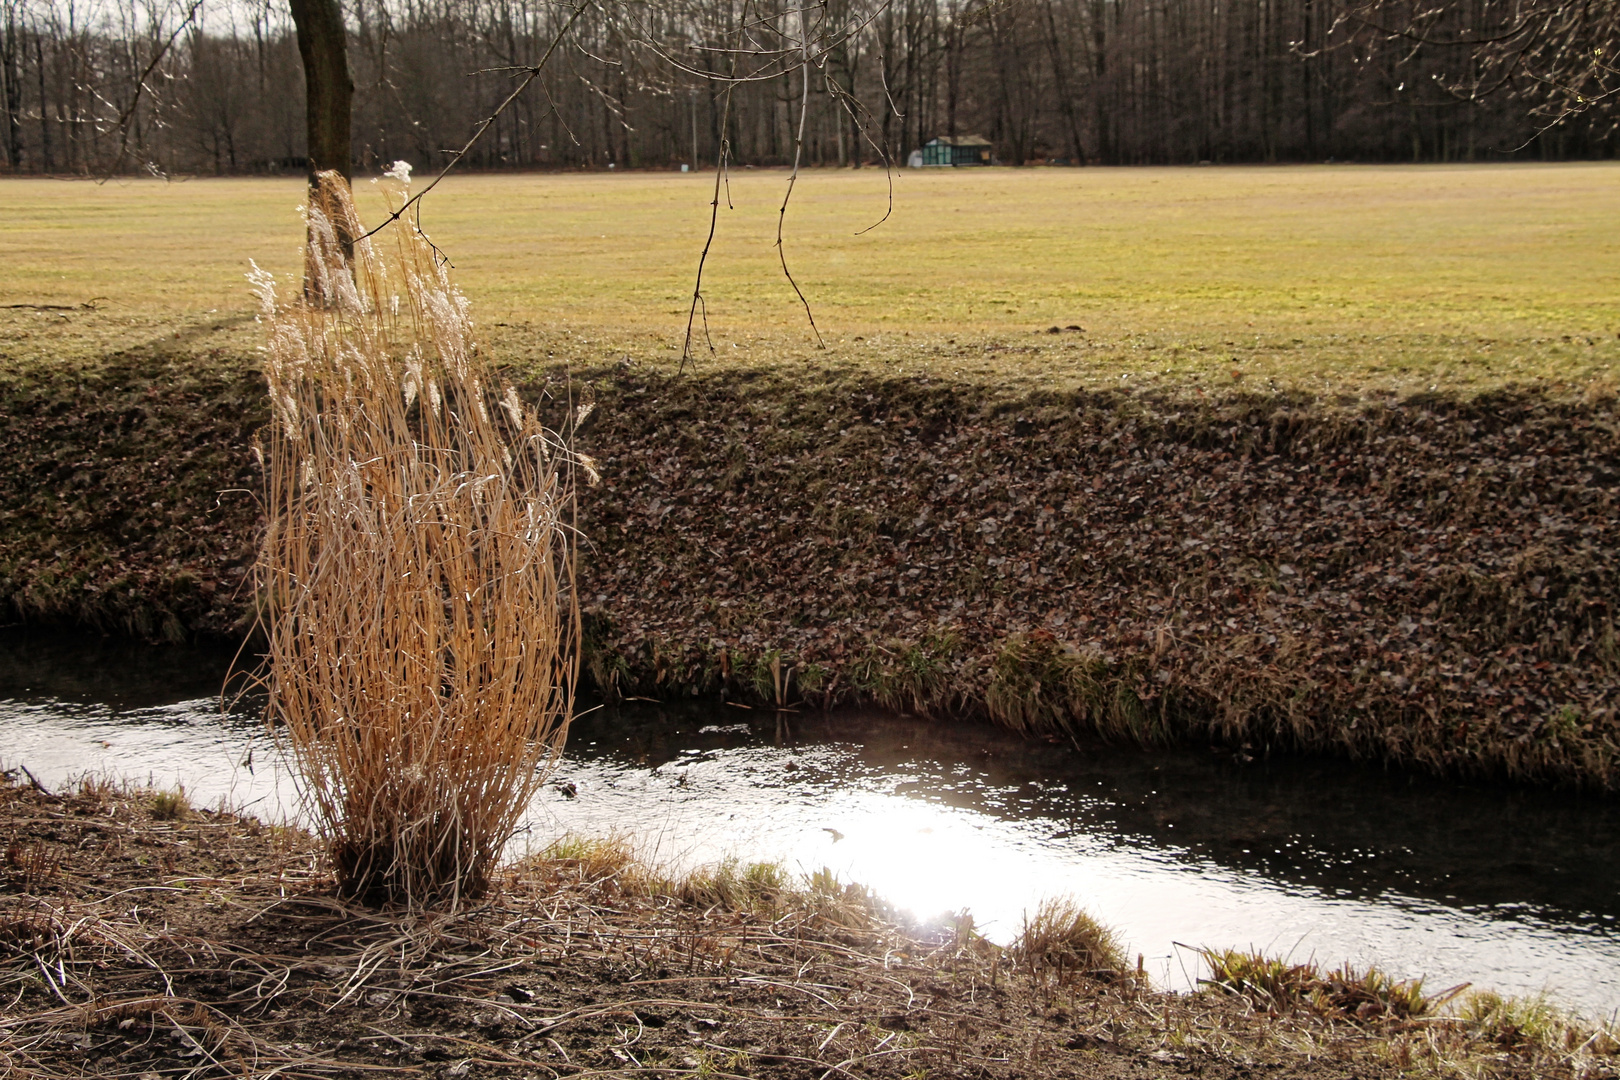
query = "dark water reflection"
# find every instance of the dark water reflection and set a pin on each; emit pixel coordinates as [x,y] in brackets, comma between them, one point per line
[78,666]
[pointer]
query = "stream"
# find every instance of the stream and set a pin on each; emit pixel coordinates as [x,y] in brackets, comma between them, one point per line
[1515,890]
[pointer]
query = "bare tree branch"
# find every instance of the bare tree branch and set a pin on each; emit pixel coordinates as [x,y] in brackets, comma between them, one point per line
[127,114]
[798,152]
[533,74]
[714,219]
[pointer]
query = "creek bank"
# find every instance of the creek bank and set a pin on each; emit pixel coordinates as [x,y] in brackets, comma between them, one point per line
[141,937]
[130,495]
[1429,581]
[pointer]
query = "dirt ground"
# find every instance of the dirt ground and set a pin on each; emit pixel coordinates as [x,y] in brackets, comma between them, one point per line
[210,945]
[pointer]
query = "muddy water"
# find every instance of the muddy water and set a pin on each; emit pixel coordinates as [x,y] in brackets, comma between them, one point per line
[1515,890]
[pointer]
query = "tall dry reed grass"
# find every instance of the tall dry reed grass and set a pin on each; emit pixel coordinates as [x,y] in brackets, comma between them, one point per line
[416,569]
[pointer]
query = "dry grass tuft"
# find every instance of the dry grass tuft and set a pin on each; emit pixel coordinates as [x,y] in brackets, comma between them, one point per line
[590,861]
[733,885]
[1520,1021]
[1269,981]
[29,866]
[1038,683]
[1063,938]
[415,570]
[1372,993]
[1344,993]
[170,805]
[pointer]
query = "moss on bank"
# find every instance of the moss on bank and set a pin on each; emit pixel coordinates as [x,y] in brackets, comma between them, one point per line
[1428,580]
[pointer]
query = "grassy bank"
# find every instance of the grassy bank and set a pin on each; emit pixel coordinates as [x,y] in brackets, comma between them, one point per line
[141,937]
[1427,580]
[1379,521]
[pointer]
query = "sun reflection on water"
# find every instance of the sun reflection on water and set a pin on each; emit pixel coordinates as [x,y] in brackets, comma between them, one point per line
[992,827]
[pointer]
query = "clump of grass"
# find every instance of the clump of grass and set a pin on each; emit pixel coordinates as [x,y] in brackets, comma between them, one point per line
[416,569]
[1373,994]
[772,678]
[170,805]
[812,679]
[1061,937]
[609,671]
[99,789]
[1486,1026]
[736,886]
[1275,984]
[1514,1021]
[590,860]
[844,903]
[761,888]
[911,676]
[1268,981]
[1040,685]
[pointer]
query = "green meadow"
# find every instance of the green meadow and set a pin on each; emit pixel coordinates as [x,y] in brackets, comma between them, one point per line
[1406,277]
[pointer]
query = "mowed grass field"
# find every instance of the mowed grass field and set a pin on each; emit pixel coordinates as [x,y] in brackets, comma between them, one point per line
[1404,276]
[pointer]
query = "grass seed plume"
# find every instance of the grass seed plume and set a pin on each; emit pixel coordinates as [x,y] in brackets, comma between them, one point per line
[415,571]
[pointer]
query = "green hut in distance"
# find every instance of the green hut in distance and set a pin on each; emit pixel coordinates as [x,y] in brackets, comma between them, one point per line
[957,150]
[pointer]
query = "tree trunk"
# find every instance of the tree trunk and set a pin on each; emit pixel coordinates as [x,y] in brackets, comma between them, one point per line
[327,87]
[1060,79]
[11,61]
[323,46]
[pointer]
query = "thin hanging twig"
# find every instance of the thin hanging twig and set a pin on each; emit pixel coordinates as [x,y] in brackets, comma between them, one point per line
[714,212]
[850,104]
[127,114]
[483,126]
[798,152]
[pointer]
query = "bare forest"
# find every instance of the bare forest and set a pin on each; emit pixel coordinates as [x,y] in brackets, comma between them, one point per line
[96,86]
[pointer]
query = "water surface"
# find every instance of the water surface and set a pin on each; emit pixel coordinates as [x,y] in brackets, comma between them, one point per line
[1517,890]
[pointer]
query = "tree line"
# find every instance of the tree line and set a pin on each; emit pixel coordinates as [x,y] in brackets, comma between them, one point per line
[119,85]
